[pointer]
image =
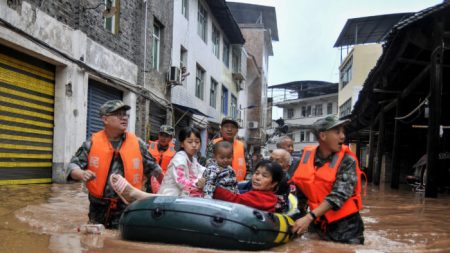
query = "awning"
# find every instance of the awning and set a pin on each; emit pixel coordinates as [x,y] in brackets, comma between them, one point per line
[189,109]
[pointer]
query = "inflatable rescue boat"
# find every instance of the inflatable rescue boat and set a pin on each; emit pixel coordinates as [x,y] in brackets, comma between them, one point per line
[203,223]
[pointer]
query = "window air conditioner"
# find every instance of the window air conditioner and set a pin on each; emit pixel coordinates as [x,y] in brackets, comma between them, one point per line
[252,124]
[173,76]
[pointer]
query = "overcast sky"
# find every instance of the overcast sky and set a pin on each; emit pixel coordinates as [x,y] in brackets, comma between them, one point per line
[308,29]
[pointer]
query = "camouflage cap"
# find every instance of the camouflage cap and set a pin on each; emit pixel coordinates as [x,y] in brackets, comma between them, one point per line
[229,120]
[166,129]
[327,123]
[112,106]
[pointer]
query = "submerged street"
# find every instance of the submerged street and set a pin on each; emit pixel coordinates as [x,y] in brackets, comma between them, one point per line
[45,218]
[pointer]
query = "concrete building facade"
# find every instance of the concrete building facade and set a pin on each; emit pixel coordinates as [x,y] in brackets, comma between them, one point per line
[361,40]
[259,26]
[60,59]
[353,72]
[314,100]
[207,48]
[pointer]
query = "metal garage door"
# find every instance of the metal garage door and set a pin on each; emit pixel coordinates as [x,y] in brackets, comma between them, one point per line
[26,118]
[98,94]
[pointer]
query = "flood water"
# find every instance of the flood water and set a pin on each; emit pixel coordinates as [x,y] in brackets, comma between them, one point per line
[45,218]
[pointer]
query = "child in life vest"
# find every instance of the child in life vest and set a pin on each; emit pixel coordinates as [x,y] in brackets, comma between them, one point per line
[265,181]
[219,172]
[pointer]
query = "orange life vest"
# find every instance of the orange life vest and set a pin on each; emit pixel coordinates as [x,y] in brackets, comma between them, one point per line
[101,155]
[162,158]
[317,183]
[238,163]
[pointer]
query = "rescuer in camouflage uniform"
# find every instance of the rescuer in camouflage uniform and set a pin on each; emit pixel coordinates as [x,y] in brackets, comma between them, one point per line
[345,189]
[107,210]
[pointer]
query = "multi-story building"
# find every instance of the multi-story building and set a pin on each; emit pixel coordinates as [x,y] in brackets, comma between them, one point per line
[305,102]
[259,26]
[60,60]
[359,42]
[207,47]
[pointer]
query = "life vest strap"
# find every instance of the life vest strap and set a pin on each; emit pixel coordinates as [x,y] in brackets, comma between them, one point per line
[112,205]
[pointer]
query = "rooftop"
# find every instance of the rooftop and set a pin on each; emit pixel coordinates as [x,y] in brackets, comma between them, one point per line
[255,14]
[371,29]
[226,21]
[308,88]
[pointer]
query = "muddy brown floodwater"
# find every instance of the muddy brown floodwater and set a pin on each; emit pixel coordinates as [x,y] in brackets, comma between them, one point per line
[45,218]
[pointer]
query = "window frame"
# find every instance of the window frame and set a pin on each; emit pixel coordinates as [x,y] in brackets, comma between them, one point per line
[226,55]
[156,45]
[199,82]
[224,101]
[215,39]
[318,110]
[202,22]
[185,8]
[290,113]
[346,108]
[213,93]
[113,20]
[233,106]
[346,73]
[329,108]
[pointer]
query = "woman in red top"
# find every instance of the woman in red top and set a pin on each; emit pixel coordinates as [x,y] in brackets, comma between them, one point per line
[265,181]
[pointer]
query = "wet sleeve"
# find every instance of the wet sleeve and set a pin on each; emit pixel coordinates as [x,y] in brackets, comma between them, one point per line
[344,186]
[302,204]
[150,165]
[210,175]
[79,159]
[255,199]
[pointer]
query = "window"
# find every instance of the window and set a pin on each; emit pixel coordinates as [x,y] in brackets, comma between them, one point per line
[296,137]
[290,113]
[346,73]
[226,54]
[200,82]
[156,43]
[306,111]
[111,24]
[213,94]
[233,106]
[185,8]
[235,62]
[202,22]
[330,108]
[215,37]
[183,64]
[224,101]
[318,111]
[346,108]
[302,136]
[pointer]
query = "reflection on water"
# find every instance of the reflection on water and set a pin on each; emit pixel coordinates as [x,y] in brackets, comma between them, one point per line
[45,218]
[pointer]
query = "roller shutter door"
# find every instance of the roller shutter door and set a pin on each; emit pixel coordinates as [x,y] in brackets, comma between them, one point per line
[157,118]
[98,94]
[26,118]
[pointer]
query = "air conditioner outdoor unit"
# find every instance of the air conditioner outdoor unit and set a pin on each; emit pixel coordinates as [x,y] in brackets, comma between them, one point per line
[173,76]
[252,124]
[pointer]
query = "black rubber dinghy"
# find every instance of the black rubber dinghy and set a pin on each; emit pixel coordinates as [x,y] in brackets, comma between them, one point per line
[203,223]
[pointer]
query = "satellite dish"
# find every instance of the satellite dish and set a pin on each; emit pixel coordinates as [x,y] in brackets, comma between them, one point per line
[109,12]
